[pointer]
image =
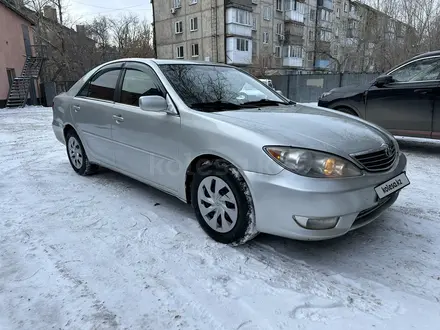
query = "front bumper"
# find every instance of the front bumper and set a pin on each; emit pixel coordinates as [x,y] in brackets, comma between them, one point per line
[277,198]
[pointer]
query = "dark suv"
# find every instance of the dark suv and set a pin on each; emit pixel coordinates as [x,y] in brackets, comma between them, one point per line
[405,100]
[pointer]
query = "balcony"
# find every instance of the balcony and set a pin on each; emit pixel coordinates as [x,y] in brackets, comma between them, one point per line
[293,62]
[325,24]
[238,51]
[234,29]
[294,16]
[238,22]
[326,4]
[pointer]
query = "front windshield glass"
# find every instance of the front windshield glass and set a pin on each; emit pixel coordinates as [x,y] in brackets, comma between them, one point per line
[209,84]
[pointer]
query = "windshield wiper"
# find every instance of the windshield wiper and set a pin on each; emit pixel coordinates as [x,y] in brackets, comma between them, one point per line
[216,106]
[265,103]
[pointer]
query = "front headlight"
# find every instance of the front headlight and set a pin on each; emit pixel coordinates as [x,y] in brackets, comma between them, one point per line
[312,163]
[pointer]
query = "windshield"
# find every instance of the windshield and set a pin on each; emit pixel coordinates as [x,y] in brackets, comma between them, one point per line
[208,84]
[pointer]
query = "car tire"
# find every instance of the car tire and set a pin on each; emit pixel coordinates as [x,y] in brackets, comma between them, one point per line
[347,110]
[77,155]
[223,204]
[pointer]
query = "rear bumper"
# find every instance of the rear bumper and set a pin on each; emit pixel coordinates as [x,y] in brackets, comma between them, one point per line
[280,198]
[59,132]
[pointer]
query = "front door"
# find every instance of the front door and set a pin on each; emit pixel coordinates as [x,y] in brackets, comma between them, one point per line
[92,112]
[405,107]
[146,143]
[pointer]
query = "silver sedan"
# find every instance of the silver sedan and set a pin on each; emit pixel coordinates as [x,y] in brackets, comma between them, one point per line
[247,159]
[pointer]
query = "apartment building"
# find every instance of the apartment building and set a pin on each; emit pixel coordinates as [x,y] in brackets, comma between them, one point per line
[279,35]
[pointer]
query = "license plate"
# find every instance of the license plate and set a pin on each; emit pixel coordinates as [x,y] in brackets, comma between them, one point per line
[393,185]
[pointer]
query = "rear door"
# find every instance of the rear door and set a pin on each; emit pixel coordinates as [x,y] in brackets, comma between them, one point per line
[92,110]
[405,107]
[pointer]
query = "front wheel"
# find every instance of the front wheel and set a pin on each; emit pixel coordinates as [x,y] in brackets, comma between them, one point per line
[223,204]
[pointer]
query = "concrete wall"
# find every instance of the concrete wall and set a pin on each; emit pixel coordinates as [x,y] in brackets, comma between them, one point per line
[12,50]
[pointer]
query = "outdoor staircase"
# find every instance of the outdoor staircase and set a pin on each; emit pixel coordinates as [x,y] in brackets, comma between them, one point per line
[19,90]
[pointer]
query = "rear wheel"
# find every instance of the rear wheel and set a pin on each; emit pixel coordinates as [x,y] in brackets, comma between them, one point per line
[77,155]
[223,204]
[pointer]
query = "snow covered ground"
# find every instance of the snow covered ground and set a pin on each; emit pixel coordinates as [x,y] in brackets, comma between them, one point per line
[107,252]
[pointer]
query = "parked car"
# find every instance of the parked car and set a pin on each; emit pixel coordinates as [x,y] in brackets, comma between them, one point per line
[269,165]
[405,100]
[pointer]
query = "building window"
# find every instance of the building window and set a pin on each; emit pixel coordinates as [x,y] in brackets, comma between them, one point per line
[325,35]
[193,2]
[310,56]
[242,45]
[311,36]
[280,30]
[242,17]
[179,27]
[293,51]
[267,13]
[254,48]
[194,24]
[195,50]
[312,15]
[295,5]
[254,23]
[345,7]
[338,12]
[265,37]
[179,52]
[177,3]
[325,15]
[280,5]
[277,51]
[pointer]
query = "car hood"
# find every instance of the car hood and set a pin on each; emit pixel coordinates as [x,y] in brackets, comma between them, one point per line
[309,127]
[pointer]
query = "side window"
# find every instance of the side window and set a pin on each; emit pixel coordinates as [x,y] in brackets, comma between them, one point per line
[138,83]
[102,86]
[421,70]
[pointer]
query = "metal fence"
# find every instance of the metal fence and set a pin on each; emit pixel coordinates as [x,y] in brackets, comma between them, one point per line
[308,87]
[300,88]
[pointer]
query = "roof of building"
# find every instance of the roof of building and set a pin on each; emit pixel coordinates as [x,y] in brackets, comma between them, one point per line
[11,7]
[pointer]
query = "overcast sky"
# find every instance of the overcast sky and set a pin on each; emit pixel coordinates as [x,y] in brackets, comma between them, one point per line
[85,10]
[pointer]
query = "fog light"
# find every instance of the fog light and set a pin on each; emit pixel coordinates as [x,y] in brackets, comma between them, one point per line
[316,223]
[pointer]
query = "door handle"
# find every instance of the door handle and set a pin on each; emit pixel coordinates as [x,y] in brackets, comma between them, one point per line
[76,108]
[118,118]
[423,91]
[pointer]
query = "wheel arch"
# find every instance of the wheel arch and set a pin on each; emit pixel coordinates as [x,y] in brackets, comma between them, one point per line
[197,162]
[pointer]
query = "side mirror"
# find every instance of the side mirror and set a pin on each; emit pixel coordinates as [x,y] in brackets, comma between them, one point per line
[383,80]
[279,92]
[153,103]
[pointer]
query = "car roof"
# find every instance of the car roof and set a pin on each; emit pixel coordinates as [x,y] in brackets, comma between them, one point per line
[428,54]
[165,61]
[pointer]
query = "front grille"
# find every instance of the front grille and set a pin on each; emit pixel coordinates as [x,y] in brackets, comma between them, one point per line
[378,160]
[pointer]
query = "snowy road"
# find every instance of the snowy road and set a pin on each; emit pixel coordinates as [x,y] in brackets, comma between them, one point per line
[106,252]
